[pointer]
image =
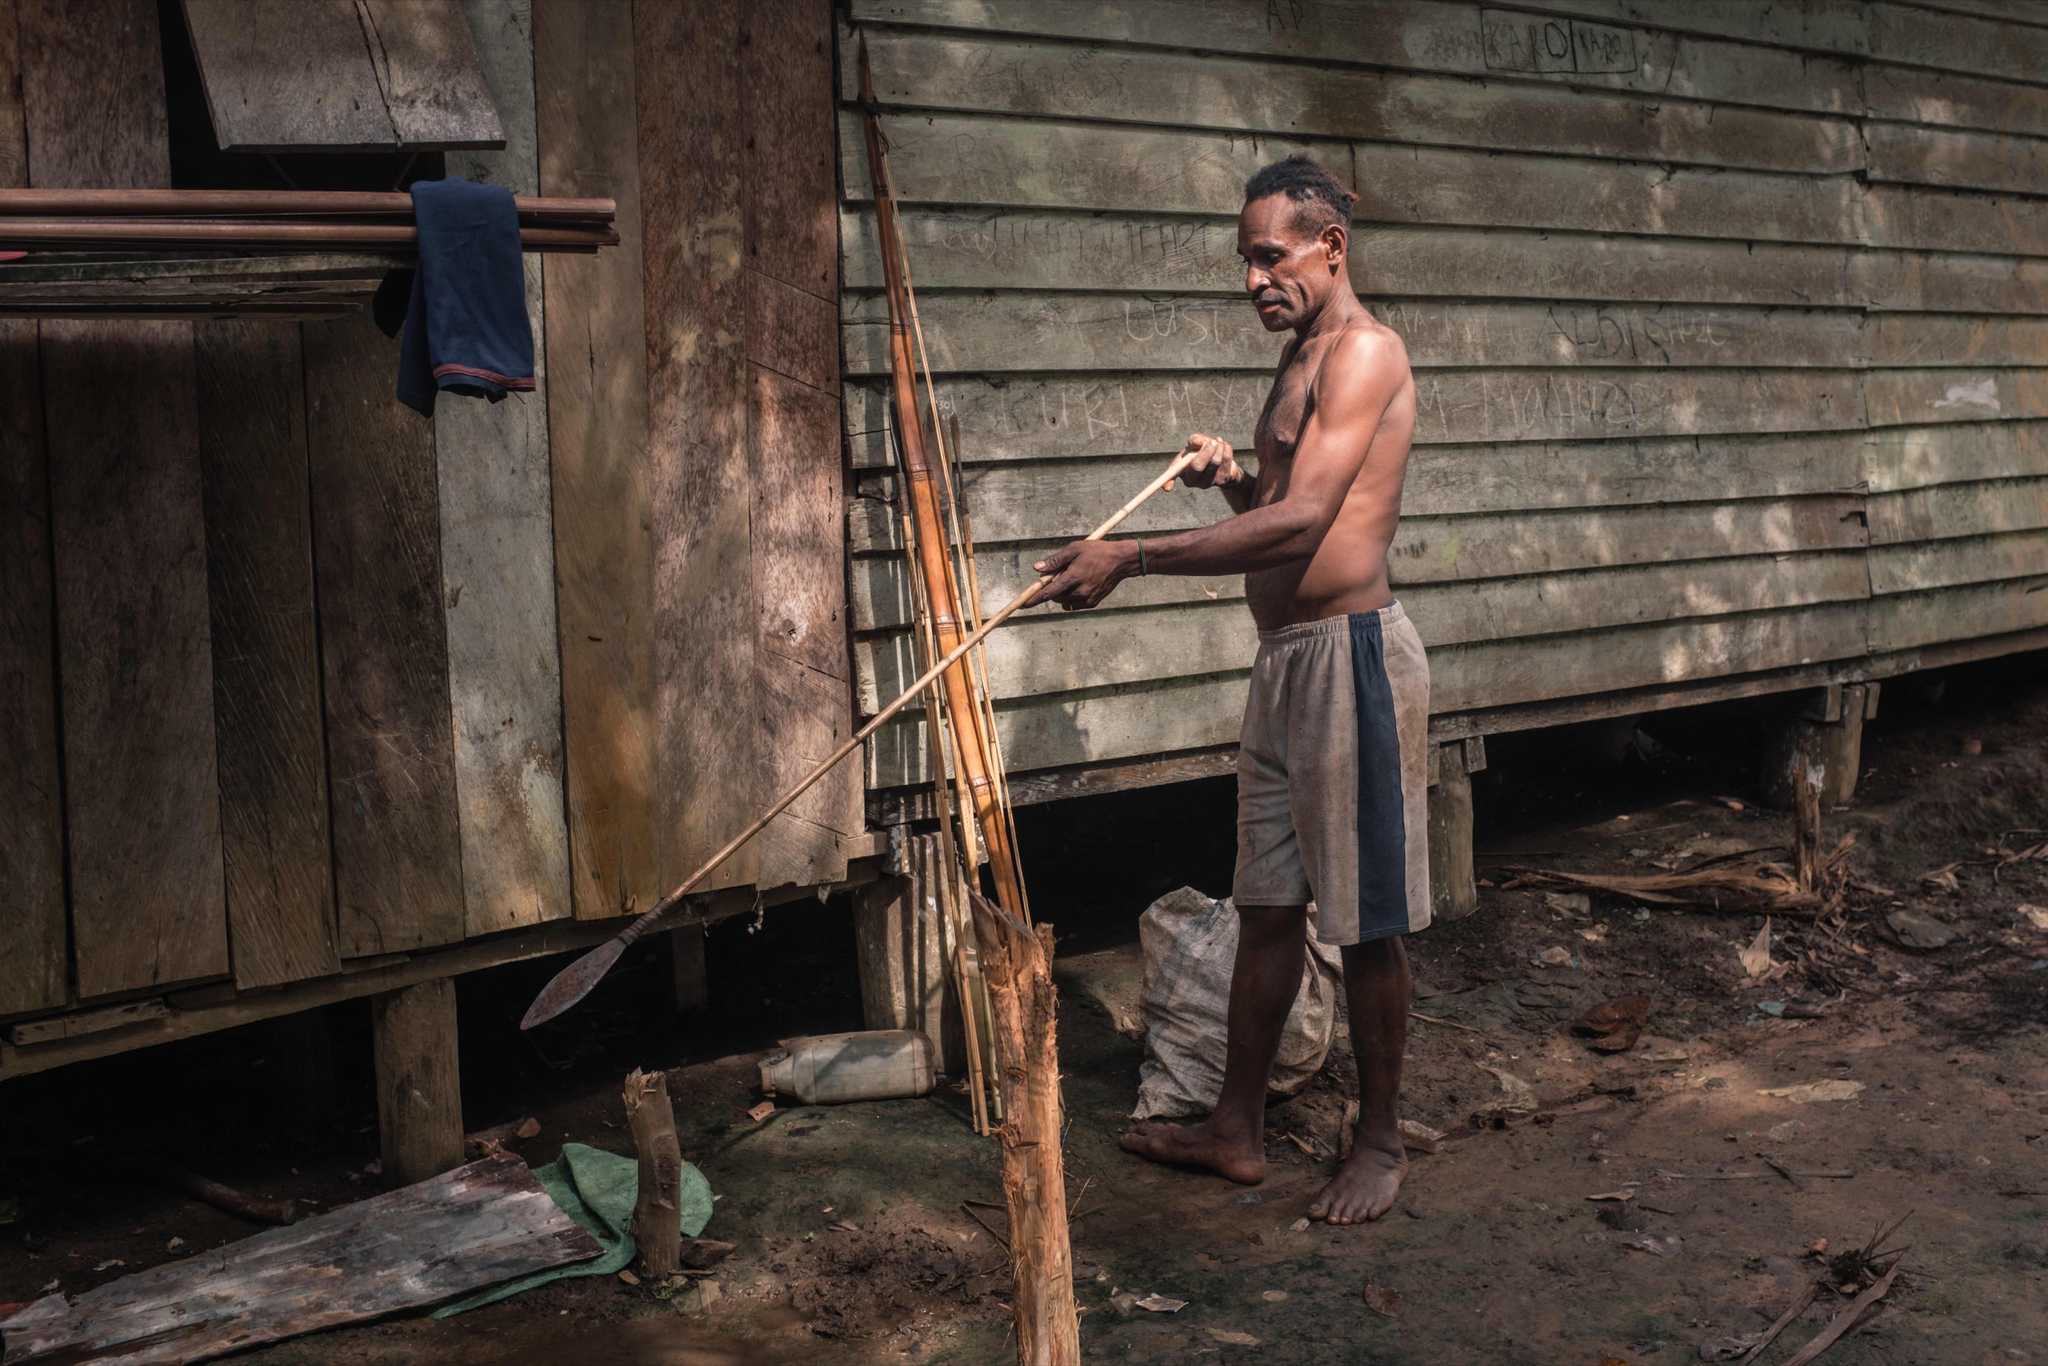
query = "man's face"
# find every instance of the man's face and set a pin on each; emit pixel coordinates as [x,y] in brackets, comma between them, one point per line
[1288,272]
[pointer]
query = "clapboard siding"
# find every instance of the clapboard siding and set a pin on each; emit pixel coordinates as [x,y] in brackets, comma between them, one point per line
[1024,249]
[1028,330]
[1957,160]
[1915,457]
[1198,712]
[1897,397]
[1023,417]
[1032,331]
[1914,95]
[1911,36]
[1480,545]
[1058,652]
[1426,35]
[960,159]
[1903,621]
[1966,560]
[973,159]
[1724,318]
[944,72]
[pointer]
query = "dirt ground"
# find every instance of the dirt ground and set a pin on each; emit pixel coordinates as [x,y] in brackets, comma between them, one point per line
[854,1244]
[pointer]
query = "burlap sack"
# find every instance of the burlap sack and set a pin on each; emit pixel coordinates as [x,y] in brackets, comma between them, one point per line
[1190,944]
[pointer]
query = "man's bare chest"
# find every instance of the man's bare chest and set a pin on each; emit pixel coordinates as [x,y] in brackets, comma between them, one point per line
[1285,414]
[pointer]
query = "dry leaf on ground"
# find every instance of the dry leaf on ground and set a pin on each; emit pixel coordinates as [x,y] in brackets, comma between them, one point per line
[1381,1300]
[1234,1339]
[1756,958]
[1943,879]
[1614,1026]
[1162,1304]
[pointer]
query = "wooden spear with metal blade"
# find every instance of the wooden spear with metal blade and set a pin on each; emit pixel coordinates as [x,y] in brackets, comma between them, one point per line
[574,982]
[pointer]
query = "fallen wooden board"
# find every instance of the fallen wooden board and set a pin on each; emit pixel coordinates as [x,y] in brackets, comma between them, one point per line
[476,1226]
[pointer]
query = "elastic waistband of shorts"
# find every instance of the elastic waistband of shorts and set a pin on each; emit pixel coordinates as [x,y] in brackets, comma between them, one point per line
[1331,626]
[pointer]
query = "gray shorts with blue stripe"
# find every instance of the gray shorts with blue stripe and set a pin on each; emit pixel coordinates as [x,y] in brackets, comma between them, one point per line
[1333,776]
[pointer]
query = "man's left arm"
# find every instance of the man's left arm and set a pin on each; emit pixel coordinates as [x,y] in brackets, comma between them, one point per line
[1353,391]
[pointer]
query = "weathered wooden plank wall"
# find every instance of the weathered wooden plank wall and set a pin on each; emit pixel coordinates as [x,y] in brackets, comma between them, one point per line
[735,124]
[584,71]
[276,845]
[497,566]
[32,932]
[791,230]
[383,649]
[1730,325]
[141,798]
[344,684]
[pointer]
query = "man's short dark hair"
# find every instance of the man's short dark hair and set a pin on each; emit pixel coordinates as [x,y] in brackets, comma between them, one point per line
[1319,200]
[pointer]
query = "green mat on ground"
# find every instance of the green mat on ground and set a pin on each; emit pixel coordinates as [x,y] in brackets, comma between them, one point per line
[596,1189]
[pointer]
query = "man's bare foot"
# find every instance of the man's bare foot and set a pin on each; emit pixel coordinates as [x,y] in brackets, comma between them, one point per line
[1198,1145]
[1364,1187]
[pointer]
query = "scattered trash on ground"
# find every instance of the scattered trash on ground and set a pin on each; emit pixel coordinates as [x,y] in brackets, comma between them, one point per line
[834,1069]
[1190,947]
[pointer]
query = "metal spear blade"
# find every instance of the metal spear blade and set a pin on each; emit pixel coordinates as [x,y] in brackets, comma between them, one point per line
[573,983]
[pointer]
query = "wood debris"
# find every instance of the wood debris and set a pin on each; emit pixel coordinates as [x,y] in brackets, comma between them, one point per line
[1727,886]
[1845,1322]
[479,1225]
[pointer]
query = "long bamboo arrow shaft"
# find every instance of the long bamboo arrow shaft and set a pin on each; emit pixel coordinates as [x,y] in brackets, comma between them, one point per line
[574,982]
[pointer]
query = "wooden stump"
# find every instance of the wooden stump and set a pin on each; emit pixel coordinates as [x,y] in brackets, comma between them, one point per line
[658,1210]
[419,1084]
[1017,963]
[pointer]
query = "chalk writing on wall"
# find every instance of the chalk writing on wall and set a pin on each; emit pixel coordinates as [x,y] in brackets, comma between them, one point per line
[1527,42]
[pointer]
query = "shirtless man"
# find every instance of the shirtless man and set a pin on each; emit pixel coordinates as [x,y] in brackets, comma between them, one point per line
[1332,761]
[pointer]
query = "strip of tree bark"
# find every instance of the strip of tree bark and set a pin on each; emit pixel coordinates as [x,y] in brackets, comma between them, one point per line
[1016,963]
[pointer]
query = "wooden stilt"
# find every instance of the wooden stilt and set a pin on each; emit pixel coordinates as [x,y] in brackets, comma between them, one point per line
[658,1208]
[1808,777]
[1453,889]
[1828,730]
[686,960]
[1017,964]
[419,1084]
[900,950]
